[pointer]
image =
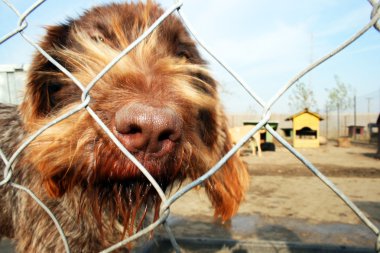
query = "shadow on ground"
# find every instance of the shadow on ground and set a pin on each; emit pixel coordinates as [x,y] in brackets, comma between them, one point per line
[252,233]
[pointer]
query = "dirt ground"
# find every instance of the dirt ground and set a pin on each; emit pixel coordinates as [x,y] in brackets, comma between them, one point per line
[286,202]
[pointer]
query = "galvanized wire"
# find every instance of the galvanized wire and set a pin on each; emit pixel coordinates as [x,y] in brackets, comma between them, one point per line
[219,60]
[167,202]
[375,8]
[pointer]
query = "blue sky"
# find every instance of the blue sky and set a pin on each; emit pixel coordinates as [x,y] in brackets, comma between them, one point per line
[266,43]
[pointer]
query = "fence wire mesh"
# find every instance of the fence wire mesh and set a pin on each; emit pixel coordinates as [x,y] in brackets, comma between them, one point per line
[167,202]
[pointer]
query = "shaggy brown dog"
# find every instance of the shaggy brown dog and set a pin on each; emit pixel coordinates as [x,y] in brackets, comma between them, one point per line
[159,101]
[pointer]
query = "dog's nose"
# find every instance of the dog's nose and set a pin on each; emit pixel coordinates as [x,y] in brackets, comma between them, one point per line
[149,129]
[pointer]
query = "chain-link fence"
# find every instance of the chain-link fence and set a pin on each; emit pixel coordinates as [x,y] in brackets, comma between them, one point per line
[168,201]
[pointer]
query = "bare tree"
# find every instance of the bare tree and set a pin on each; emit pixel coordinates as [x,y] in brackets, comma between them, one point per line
[339,98]
[302,97]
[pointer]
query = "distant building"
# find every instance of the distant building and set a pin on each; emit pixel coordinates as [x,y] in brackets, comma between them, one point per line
[12,81]
[305,132]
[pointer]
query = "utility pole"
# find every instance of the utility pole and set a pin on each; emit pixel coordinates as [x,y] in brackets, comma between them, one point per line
[354,117]
[311,57]
[338,107]
[369,104]
[369,109]
[327,122]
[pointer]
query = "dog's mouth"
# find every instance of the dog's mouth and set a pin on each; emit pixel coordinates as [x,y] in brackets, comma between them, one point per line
[113,165]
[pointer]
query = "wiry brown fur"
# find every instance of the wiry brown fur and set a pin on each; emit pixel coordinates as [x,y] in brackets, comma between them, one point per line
[98,195]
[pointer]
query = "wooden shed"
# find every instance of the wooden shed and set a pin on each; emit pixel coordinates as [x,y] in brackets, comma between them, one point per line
[305,132]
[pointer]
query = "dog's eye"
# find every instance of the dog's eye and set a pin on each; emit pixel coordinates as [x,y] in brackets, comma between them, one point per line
[205,84]
[98,38]
[55,87]
[183,54]
[182,51]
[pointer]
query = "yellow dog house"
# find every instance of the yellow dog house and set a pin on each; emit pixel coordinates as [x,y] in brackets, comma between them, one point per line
[305,132]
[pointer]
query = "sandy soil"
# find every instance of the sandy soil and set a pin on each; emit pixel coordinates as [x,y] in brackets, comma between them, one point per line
[287,202]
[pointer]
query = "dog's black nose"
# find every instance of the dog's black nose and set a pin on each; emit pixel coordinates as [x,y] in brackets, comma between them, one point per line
[149,129]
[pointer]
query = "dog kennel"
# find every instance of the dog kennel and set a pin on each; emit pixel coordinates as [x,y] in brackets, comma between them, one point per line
[305,131]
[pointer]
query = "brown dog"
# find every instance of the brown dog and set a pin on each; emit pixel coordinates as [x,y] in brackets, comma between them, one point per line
[159,101]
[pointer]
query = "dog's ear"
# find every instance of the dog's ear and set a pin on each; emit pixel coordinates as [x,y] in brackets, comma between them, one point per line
[226,188]
[50,157]
[44,87]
